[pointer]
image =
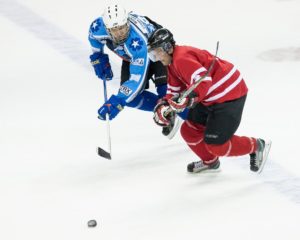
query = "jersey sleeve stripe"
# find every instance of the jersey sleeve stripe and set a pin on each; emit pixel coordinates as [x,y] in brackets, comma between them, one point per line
[141,84]
[174,88]
[127,51]
[226,90]
[96,49]
[223,80]
[195,76]
[101,37]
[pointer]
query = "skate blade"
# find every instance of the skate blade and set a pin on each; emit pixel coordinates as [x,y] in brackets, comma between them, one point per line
[268,145]
[206,171]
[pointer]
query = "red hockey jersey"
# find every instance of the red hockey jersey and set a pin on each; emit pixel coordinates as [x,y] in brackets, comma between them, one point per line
[224,83]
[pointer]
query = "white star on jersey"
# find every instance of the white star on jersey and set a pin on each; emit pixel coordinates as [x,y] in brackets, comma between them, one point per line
[94,25]
[135,44]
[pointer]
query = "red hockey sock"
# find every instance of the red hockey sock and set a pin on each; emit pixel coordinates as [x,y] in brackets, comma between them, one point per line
[236,146]
[193,134]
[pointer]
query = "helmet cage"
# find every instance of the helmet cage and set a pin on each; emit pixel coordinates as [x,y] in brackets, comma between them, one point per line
[119,40]
[155,53]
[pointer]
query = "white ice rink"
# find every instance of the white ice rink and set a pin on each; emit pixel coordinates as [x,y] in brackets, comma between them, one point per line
[51,179]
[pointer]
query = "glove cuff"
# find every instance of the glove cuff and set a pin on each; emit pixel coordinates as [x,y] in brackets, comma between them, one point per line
[96,55]
[117,101]
[161,102]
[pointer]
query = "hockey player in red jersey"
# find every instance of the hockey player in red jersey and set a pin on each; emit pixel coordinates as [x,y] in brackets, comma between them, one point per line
[216,104]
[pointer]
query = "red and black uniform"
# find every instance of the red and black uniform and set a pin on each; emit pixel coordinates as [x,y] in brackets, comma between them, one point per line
[211,124]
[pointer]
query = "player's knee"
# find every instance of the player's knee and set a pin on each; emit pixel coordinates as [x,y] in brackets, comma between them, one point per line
[216,138]
[219,149]
[142,103]
[184,131]
[135,103]
[191,132]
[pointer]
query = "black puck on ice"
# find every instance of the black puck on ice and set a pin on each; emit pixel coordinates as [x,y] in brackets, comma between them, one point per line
[92,223]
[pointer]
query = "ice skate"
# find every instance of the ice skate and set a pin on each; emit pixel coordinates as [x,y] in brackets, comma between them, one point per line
[260,156]
[196,167]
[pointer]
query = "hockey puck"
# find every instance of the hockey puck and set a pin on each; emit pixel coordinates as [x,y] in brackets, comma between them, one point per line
[92,223]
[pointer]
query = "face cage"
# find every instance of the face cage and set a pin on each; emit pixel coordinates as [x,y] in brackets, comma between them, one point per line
[120,41]
[152,52]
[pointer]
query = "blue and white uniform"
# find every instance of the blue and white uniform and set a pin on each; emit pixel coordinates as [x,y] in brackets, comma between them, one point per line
[133,50]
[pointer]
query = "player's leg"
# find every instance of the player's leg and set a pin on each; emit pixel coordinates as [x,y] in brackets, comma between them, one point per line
[222,123]
[193,134]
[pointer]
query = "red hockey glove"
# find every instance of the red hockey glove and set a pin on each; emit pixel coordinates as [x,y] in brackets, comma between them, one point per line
[162,112]
[178,104]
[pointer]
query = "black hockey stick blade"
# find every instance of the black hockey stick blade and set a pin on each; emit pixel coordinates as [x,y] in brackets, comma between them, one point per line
[103,153]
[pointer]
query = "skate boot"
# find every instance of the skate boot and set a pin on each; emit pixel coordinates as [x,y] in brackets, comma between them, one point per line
[196,167]
[260,156]
[171,130]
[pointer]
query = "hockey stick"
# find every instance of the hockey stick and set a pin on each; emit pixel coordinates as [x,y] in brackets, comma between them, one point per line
[101,152]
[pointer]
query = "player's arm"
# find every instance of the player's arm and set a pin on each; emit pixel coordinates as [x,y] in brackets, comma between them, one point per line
[163,110]
[191,71]
[175,86]
[130,88]
[99,60]
[138,71]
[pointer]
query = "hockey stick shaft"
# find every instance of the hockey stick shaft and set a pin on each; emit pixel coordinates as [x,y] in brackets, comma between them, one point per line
[107,117]
[102,152]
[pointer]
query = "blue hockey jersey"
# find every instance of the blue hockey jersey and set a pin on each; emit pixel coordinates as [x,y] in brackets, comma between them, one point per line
[134,50]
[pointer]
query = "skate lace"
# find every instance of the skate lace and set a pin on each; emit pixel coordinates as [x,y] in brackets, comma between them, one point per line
[253,159]
[198,164]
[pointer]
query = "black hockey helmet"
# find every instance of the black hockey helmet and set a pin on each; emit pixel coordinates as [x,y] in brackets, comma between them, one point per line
[161,37]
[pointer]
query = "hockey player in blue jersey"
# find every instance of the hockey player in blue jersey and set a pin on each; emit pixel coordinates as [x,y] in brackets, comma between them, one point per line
[126,34]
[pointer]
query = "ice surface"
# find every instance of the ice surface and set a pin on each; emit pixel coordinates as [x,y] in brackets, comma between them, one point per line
[51,179]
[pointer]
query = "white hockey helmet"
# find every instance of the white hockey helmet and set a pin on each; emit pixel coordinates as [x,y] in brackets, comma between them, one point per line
[114,16]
